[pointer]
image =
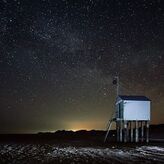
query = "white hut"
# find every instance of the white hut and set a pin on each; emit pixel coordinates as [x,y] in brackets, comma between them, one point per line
[132,115]
[132,108]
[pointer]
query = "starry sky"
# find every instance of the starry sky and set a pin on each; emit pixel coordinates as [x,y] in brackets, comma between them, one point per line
[58,59]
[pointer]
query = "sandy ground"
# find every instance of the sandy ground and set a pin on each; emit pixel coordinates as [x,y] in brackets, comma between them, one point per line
[45,153]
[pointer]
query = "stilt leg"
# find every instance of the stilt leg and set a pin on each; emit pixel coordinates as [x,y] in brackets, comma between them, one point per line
[131,131]
[147,131]
[128,131]
[120,131]
[125,131]
[136,131]
[142,131]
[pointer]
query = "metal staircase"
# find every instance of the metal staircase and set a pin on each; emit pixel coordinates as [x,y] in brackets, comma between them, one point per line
[109,125]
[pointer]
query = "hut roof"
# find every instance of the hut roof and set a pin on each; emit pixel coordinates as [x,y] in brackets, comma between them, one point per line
[137,98]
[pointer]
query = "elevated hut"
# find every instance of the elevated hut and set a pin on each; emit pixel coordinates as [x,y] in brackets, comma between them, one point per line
[132,118]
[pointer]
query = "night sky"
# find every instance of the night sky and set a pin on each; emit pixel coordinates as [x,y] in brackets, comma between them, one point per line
[58,59]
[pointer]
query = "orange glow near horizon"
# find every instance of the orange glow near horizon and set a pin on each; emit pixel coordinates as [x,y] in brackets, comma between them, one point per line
[86,125]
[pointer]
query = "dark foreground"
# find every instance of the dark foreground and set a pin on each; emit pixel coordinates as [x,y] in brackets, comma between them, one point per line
[52,154]
[79,147]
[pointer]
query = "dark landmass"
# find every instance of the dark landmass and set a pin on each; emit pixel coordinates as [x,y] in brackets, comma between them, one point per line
[157,132]
[88,137]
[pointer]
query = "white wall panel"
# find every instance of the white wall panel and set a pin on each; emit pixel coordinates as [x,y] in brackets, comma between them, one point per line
[136,110]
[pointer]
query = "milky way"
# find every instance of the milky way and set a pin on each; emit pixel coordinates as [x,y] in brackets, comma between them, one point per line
[58,58]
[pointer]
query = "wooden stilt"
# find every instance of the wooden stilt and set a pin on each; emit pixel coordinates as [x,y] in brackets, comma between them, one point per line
[125,131]
[142,131]
[128,131]
[136,131]
[121,131]
[118,131]
[131,131]
[139,131]
[147,131]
